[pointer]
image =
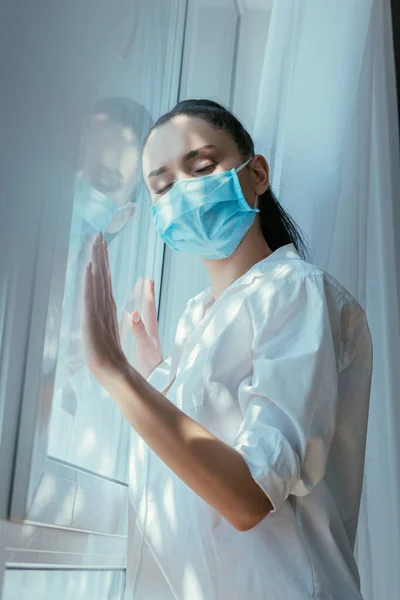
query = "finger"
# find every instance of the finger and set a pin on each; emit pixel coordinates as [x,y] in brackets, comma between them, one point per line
[103,268]
[138,326]
[106,272]
[94,271]
[105,261]
[149,308]
[88,298]
[98,286]
[94,255]
[111,307]
[93,252]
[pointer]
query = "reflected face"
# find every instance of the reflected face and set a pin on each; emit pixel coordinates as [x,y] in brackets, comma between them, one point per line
[187,147]
[109,158]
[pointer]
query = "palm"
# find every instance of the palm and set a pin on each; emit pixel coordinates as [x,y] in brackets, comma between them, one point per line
[101,343]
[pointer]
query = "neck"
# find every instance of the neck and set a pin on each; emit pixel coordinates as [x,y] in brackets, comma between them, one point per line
[252,249]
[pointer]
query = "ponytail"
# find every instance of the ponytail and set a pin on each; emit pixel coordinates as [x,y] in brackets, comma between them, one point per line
[277,226]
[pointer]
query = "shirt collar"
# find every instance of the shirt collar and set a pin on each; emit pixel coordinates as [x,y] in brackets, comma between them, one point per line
[278,257]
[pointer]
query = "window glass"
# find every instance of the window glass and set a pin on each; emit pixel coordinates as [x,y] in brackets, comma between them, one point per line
[86,428]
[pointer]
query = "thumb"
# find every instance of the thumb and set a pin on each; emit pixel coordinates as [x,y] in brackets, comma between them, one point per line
[137,326]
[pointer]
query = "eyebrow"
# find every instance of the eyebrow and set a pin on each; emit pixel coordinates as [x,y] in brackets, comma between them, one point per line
[188,156]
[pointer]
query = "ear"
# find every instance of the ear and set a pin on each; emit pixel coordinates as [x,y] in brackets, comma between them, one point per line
[260,174]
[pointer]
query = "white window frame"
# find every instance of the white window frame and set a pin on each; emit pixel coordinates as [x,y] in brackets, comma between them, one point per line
[44,547]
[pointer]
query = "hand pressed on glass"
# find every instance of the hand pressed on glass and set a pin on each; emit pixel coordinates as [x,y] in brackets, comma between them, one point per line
[100,336]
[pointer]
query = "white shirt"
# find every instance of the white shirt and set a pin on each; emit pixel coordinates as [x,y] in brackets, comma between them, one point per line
[279,367]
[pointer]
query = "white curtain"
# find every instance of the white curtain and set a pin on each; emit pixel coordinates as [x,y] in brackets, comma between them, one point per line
[327,122]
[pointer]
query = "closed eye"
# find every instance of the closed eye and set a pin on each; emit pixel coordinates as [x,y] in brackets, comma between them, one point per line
[164,190]
[205,170]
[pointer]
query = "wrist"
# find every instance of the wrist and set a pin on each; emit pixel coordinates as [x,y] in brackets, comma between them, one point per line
[120,378]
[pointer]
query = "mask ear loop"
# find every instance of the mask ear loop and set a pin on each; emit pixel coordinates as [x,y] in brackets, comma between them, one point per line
[244,165]
[240,169]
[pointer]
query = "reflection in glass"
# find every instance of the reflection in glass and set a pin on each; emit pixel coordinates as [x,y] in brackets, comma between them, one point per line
[86,428]
[32,584]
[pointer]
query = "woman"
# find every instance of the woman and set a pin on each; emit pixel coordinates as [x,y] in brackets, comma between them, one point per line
[251,489]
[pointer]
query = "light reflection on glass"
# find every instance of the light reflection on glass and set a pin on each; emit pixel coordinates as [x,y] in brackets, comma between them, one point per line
[86,428]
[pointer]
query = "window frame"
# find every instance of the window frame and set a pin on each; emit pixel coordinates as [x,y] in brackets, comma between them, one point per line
[41,548]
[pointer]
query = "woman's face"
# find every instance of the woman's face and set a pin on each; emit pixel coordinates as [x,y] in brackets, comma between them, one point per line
[187,147]
[109,157]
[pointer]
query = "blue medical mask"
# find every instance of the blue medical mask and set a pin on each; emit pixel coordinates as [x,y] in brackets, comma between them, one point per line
[91,207]
[207,216]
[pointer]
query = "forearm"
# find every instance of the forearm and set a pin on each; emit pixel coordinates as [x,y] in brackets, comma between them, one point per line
[211,468]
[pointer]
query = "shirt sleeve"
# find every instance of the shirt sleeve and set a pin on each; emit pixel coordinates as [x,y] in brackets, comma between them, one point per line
[159,378]
[289,402]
